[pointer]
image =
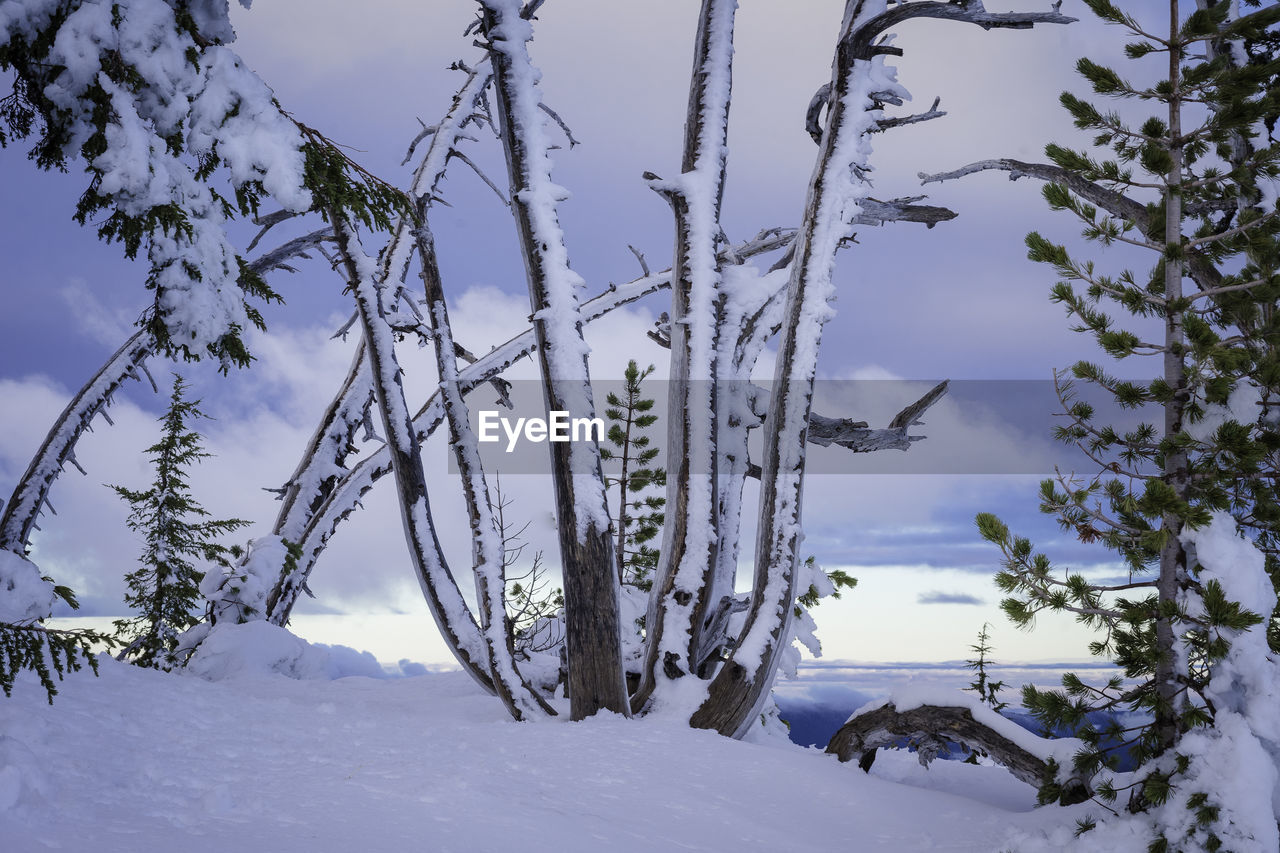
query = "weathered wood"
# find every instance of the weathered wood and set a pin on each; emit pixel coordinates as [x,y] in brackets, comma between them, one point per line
[928,728]
[457,628]
[593,640]
[356,483]
[687,556]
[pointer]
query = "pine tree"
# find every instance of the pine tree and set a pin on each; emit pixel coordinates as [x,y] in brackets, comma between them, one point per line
[1183,185]
[640,516]
[988,690]
[177,532]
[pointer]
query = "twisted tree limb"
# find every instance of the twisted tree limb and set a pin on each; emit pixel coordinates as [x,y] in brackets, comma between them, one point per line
[929,728]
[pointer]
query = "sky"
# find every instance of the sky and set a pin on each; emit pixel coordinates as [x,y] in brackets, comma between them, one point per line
[959,301]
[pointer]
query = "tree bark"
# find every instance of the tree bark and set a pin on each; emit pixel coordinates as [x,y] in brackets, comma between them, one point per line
[687,559]
[593,640]
[929,727]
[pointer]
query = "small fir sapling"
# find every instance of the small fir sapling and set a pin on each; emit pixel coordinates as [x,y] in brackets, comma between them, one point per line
[176,531]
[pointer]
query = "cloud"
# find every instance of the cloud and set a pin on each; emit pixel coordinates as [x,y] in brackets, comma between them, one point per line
[110,327]
[938,597]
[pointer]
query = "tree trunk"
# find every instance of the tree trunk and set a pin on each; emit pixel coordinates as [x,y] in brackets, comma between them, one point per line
[593,640]
[687,560]
[1173,559]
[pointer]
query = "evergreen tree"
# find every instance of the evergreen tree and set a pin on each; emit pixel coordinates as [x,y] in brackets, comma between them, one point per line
[640,516]
[1183,184]
[176,531]
[988,690]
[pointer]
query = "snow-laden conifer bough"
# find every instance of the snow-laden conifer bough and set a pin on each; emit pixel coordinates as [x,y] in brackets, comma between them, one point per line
[712,653]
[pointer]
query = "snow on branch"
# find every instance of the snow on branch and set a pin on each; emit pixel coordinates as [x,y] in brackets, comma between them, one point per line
[454,619]
[58,448]
[347,493]
[685,579]
[32,491]
[929,728]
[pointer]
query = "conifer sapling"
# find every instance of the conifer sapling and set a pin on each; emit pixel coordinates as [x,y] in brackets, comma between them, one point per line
[177,532]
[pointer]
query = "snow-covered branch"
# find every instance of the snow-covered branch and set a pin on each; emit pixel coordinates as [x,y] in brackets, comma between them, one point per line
[31,492]
[457,625]
[928,728]
[347,493]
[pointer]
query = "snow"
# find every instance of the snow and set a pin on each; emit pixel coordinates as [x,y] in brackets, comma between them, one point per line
[239,593]
[259,649]
[24,595]
[156,761]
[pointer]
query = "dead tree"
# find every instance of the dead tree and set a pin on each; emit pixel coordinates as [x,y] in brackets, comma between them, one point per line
[929,729]
[725,311]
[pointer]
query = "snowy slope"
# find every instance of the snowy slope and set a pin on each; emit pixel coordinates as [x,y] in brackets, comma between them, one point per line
[143,761]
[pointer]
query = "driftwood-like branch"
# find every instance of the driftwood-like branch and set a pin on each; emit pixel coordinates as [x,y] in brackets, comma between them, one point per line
[268,222]
[901,210]
[863,40]
[929,728]
[1201,269]
[857,436]
[915,118]
[1115,203]
[813,113]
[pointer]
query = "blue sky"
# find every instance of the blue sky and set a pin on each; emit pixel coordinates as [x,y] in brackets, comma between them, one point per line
[958,301]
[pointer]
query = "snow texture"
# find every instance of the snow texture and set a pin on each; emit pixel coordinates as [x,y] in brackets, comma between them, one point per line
[260,649]
[156,761]
[25,596]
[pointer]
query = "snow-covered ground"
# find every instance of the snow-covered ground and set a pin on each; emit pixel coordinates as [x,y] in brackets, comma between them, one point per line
[139,760]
